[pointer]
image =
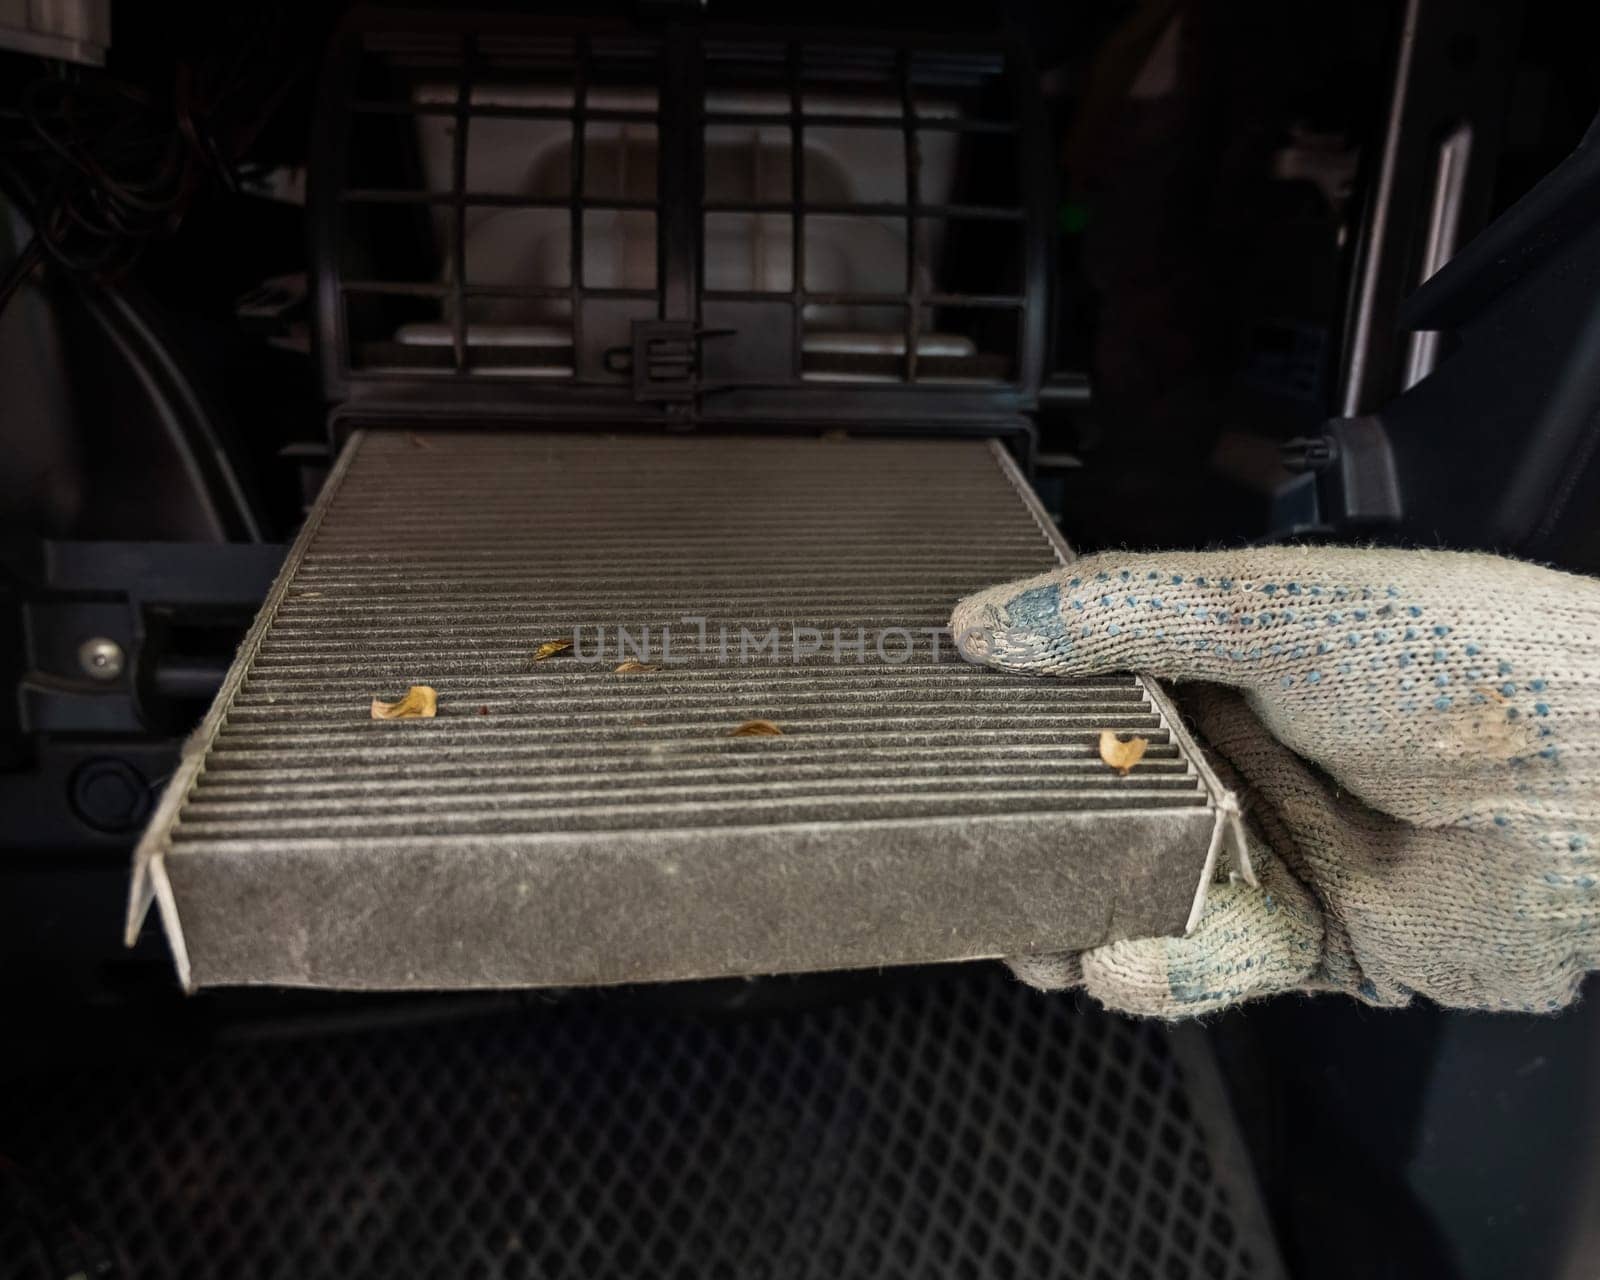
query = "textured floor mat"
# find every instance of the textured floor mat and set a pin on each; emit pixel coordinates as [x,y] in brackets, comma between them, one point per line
[952,1124]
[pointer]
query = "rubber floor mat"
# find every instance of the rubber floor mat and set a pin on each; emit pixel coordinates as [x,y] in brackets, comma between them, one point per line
[944,1123]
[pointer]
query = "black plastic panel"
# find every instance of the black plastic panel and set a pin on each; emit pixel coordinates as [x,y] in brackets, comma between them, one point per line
[495,200]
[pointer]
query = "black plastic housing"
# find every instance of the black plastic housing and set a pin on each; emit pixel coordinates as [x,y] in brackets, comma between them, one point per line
[822,295]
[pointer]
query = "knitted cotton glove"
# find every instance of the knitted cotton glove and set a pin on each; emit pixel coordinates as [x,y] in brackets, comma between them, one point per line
[1418,737]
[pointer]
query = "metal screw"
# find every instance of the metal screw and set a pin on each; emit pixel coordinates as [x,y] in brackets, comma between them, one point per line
[100,658]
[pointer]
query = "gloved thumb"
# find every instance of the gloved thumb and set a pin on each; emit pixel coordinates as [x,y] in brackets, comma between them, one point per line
[1175,616]
[1352,657]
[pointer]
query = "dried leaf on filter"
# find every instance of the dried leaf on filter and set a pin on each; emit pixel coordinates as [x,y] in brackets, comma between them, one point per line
[1121,755]
[756,729]
[420,703]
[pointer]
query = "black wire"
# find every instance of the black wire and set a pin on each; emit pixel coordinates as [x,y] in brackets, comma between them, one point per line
[108,167]
[120,173]
[21,267]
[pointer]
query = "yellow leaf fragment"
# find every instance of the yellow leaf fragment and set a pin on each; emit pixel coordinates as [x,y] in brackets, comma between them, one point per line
[420,703]
[756,729]
[1121,755]
[550,648]
[633,667]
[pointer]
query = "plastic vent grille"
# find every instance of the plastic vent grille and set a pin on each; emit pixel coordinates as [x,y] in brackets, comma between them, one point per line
[877,214]
[859,213]
[498,211]
[961,1127]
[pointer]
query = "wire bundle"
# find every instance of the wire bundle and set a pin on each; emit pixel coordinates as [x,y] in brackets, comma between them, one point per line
[118,173]
[106,166]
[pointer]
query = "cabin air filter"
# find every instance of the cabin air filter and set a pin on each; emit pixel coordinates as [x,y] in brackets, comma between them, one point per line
[694,717]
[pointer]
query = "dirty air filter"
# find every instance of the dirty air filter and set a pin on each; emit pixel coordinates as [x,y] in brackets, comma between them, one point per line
[560,822]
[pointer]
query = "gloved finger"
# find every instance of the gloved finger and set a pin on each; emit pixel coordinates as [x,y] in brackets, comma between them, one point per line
[1246,618]
[1440,687]
[1176,616]
[1322,838]
[1476,916]
[1249,942]
[1060,971]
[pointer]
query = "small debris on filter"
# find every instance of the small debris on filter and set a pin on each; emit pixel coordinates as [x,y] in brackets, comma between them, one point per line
[1121,755]
[483,711]
[836,435]
[417,442]
[633,667]
[550,648]
[420,703]
[756,729]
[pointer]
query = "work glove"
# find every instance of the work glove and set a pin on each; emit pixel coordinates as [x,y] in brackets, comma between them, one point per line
[1415,738]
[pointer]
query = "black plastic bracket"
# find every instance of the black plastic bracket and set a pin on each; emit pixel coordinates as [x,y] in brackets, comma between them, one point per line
[1354,464]
[666,360]
[109,652]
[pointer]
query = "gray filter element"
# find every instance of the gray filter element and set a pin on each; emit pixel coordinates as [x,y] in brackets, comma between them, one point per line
[561,823]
